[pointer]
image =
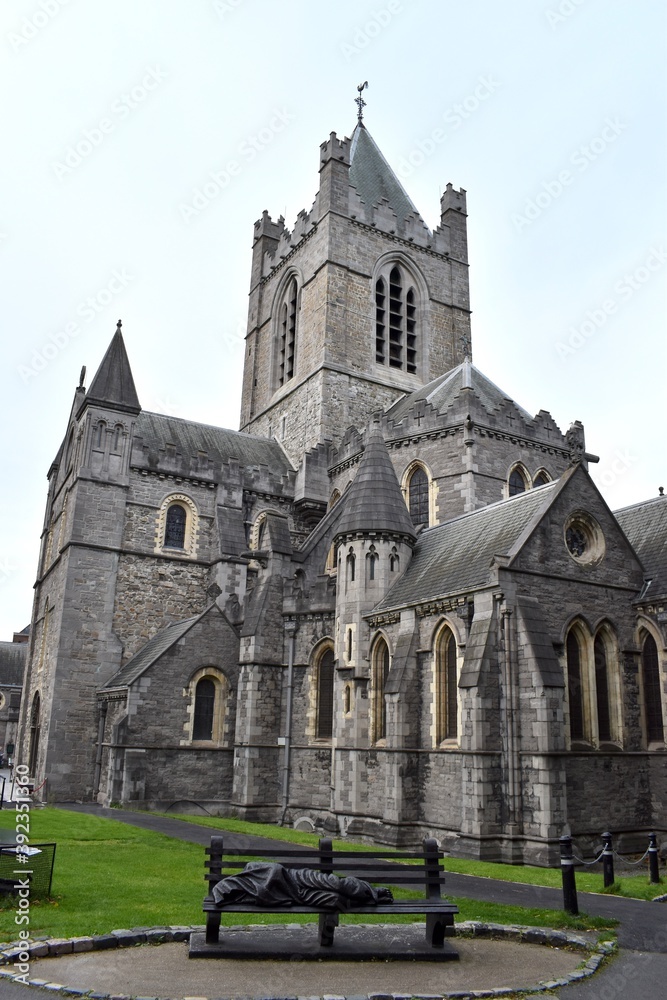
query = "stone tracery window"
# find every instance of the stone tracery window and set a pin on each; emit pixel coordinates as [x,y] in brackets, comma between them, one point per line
[593,686]
[396,326]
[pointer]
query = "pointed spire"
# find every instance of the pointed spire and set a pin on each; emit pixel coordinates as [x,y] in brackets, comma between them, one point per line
[373,178]
[113,385]
[374,501]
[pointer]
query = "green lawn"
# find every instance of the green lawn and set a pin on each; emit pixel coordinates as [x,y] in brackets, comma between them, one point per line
[636,886]
[110,875]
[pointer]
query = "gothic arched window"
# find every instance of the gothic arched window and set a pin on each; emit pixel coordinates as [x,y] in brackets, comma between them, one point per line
[174,529]
[517,482]
[418,501]
[396,320]
[446,687]
[653,719]
[541,478]
[602,690]
[350,566]
[575,692]
[288,325]
[380,672]
[325,695]
[371,563]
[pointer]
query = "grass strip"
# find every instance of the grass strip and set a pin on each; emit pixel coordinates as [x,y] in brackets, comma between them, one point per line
[633,886]
[109,875]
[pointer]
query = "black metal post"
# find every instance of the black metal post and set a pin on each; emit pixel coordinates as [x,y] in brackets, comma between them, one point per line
[653,873]
[607,860]
[570,904]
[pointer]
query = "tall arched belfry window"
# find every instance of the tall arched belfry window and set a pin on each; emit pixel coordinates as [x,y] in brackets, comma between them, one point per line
[288,324]
[396,320]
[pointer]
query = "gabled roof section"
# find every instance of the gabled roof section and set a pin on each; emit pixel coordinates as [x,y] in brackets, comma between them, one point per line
[456,556]
[645,527]
[373,178]
[374,502]
[154,649]
[155,433]
[445,390]
[113,385]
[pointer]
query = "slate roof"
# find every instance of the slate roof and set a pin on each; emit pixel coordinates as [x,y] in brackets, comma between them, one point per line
[156,431]
[645,527]
[113,384]
[373,177]
[12,662]
[374,501]
[446,390]
[151,652]
[456,556]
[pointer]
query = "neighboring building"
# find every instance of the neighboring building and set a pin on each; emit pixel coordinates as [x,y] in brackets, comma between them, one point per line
[393,604]
[12,665]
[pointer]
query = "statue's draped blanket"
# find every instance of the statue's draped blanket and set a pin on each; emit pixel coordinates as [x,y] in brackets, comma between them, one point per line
[264,884]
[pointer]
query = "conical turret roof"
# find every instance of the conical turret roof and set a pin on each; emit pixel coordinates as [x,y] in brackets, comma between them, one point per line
[113,385]
[374,502]
[373,177]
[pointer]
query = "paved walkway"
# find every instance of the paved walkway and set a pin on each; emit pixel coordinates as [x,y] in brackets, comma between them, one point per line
[640,971]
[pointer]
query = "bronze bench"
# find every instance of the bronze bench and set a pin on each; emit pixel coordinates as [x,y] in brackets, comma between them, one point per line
[383,867]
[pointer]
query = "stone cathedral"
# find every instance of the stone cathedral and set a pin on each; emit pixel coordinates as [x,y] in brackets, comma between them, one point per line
[393,604]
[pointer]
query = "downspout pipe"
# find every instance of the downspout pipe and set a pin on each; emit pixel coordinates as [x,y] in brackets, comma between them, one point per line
[290,632]
[100,740]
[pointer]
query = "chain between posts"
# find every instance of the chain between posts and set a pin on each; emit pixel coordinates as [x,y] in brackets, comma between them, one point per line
[568,859]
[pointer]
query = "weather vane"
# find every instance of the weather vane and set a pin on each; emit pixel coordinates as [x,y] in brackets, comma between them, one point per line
[360,102]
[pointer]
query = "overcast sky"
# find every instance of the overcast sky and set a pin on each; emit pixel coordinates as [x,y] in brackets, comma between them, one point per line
[121,119]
